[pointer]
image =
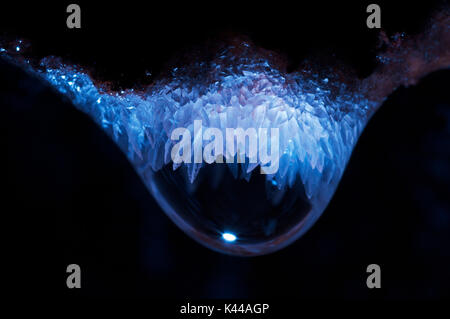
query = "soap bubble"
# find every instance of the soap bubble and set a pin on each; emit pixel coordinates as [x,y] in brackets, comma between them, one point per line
[232,207]
[317,123]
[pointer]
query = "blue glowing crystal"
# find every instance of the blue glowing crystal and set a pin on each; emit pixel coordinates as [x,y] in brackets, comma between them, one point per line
[230,207]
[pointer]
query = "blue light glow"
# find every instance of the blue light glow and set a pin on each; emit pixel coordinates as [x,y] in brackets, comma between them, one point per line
[317,129]
[319,121]
[228,237]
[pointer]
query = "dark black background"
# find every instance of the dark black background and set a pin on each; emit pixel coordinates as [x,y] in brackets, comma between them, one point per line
[76,199]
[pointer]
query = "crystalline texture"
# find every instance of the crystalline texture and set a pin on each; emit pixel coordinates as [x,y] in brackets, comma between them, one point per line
[319,120]
[316,127]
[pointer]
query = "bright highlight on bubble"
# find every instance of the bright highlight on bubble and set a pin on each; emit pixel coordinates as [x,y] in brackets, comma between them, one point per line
[229,237]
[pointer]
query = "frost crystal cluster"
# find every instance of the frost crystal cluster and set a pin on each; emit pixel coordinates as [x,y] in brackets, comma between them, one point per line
[319,121]
[318,117]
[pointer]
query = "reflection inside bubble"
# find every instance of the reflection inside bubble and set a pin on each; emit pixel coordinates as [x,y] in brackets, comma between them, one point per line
[225,211]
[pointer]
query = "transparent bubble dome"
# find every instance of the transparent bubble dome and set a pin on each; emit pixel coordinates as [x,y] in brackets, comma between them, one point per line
[228,213]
